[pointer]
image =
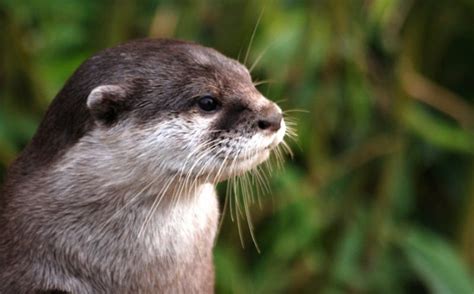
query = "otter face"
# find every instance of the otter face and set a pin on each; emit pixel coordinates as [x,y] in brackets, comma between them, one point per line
[242,132]
[187,110]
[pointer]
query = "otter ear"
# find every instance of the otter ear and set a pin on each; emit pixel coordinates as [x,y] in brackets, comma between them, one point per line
[105,102]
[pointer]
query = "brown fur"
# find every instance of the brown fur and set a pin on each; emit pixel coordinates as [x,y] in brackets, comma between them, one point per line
[69,220]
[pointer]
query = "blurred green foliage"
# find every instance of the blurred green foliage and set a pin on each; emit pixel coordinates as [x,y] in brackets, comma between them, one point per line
[379,197]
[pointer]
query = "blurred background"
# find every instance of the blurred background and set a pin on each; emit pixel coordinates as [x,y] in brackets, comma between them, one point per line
[379,197]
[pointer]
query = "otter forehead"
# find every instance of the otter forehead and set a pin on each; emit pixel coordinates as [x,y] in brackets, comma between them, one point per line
[163,61]
[221,76]
[169,75]
[209,57]
[216,74]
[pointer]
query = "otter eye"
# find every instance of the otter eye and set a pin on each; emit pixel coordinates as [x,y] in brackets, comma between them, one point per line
[208,103]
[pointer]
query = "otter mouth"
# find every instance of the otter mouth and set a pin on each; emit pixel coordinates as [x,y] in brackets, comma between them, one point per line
[243,163]
[272,145]
[234,159]
[258,157]
[251,155]
[258,153]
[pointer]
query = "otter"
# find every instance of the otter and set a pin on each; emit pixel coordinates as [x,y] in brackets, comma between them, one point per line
[115,193]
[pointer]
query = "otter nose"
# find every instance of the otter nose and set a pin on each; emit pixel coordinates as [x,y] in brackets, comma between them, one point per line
[271,122]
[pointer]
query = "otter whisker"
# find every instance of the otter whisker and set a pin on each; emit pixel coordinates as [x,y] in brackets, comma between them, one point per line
[251,228]
[231,187]
[260,56]
[205,166]
[208,162]
[260,184]
[182,184]
[267,164]
[287,149]
[229,195]
[128,203]
[253,185]
[238,213]
[263,180]
[263,82]
[290,120]
[239,210]
[155,204]
[207,147]
[247,181]
[252,37]
[219,171]
[181,171]
[278,157]
[295,110]
[226,198]
[190,173]
[246,198]
[291,133]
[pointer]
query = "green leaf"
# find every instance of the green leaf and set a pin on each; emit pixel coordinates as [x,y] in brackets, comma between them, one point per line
[346,263]
[437,131]
[436,262]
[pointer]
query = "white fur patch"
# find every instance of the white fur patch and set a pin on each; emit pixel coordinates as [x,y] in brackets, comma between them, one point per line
[178,228]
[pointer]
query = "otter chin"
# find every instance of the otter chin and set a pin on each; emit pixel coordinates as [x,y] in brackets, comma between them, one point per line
[115,192]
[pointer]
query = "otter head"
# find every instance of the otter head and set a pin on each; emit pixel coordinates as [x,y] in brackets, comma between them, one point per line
[182,109]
